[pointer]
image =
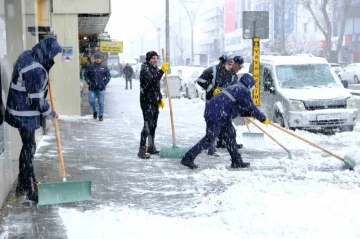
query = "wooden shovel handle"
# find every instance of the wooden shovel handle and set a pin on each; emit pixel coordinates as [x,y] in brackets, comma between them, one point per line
[306,141]
[170,104]
[57,133]
[267,134]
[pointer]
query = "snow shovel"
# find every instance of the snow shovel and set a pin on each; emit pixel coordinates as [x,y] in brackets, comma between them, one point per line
[62,192]
[271,137]
[349,163]
[175,152]
[253,140]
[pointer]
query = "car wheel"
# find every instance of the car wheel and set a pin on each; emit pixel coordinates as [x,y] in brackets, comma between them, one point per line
[279,119]
[356,80]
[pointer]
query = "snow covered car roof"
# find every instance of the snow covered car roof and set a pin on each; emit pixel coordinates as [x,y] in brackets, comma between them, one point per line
[292,60]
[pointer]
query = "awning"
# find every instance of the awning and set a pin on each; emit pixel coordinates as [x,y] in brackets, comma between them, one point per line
[92,23]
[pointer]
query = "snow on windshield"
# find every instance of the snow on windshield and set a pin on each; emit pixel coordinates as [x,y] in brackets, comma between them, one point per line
[302,76]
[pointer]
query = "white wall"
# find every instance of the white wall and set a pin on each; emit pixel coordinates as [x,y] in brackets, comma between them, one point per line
[66,76]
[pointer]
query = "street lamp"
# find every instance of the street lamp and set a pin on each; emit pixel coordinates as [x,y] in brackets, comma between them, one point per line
[192,15]
[158,29]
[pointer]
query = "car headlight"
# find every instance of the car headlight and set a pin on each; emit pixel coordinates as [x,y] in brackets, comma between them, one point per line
[351,103]
[297,105]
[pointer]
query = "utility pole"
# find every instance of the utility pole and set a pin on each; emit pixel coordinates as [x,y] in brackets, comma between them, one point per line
[167,30]
[283,27]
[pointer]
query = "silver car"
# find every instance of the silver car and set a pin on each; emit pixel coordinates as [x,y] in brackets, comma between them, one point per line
[304,93]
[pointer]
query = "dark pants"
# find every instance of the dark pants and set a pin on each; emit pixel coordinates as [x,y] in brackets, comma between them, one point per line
[150,115]
[128,79]
[212,131]
[26,167]
[221,140]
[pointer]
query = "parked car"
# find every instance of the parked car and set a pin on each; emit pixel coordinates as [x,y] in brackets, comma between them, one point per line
[351,73]
[304,93]
[336,67]
[194,90]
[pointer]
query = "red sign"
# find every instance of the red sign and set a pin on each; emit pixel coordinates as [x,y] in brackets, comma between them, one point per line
[229,16]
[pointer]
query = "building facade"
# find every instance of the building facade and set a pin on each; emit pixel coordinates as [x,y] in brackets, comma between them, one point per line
[22,24]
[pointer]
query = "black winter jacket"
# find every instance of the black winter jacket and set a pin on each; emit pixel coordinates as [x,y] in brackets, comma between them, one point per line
[150,77]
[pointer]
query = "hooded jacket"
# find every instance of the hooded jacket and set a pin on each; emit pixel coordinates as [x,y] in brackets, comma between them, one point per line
[26,101]
[232,102]
[150,77]
[214,77]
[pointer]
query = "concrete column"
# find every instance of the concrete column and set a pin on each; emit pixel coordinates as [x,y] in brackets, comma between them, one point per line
[66,75]
[30,16]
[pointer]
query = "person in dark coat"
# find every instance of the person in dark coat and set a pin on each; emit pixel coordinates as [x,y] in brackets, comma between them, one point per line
[128,73]
[212,80]
[150,101]
[97,76]
[230,103]
[26,104]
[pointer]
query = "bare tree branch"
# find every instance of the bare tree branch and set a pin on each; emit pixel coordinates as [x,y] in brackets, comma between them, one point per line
[347,4]
[317,21]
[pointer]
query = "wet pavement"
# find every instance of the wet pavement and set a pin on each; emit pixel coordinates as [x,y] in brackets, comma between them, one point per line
[105,153]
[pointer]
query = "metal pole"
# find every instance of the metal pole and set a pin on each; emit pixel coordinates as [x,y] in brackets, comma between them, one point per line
[167,30]
[192,43]
[283,27]
[159,50]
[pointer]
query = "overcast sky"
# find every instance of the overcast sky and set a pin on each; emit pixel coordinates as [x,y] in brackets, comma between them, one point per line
[127,23]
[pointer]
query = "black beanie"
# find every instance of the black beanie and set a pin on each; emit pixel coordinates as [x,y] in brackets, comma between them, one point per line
[150,54]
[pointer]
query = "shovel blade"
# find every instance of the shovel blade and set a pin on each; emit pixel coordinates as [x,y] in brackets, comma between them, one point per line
[254,140]
[64,192]
[173,152]
[349,163]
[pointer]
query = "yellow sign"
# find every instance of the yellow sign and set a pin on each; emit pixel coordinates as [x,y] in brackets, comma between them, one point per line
[256,70]
[111,46]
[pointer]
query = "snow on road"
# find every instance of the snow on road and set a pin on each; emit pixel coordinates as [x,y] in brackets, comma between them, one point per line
[309,196]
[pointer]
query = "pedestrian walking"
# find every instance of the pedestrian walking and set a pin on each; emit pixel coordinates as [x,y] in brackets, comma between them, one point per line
[150,101]
[128,73]
[26,104]
[97,76]
[230,103]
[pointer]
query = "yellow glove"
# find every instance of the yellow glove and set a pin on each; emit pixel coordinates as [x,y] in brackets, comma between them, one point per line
[165,67]
[162,104]
[216,91]
[266,121]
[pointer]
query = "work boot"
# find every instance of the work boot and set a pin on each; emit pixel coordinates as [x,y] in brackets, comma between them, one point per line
[212,151]
[240,146]
[95,115]
[188,163]
[21,186]
[152,150]
[238,163]
[32,192]
[142,153]
[101,118]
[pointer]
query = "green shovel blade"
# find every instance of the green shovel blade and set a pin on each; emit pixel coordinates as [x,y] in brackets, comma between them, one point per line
[349,163]
[64,192]
[173,152]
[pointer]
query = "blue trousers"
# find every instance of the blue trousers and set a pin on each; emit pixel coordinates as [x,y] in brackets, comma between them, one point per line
[212,132]
[100,96]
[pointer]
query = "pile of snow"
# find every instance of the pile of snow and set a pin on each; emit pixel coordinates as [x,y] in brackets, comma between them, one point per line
[257,206]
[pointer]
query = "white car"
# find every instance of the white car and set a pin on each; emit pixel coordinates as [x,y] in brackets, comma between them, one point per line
[336,67]
[351,73]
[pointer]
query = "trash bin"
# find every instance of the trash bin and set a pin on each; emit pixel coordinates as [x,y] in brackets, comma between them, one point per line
[174,85]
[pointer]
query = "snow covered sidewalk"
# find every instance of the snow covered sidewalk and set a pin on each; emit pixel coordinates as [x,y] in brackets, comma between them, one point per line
[309,196]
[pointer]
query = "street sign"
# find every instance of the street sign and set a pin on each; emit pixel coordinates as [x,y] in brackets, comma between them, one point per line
[255,24]
[256,70]
[111,46]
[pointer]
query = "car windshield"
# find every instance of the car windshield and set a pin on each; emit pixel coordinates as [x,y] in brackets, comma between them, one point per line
[305,76]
